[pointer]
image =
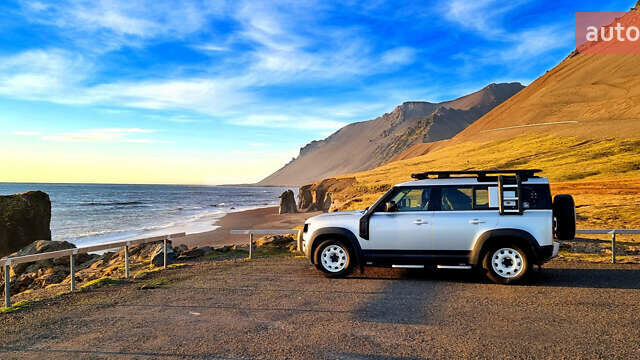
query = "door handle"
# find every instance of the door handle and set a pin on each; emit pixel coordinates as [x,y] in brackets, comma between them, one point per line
[476,221]
[419,222]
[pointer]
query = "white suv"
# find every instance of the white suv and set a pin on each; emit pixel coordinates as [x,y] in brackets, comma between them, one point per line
[499,221]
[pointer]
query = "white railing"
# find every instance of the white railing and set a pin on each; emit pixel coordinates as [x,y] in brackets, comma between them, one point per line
[613,233]
[5,262]
[266,232]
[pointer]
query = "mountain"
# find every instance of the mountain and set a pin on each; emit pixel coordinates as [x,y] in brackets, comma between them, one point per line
[365,145]
[588,96]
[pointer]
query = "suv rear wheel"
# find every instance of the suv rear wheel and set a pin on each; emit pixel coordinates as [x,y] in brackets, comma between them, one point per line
[506,264]
[334,258]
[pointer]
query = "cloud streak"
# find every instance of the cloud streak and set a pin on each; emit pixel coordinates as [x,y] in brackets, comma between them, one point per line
[107,135]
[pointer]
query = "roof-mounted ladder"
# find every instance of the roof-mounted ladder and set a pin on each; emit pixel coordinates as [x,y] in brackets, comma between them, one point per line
[509,190]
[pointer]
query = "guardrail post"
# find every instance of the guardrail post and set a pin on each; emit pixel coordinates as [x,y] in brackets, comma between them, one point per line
[72,272]
[7,286]
[164,250]
[250,245]
[126,261]
[613,247]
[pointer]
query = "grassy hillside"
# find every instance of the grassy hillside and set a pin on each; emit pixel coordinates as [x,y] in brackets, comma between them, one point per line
[603,174]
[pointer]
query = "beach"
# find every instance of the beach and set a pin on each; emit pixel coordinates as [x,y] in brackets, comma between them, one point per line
[263,218]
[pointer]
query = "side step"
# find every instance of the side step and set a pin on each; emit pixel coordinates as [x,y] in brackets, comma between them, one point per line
[408,266]
[455,267]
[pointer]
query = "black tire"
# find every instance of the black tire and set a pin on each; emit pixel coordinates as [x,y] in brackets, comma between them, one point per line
[564,213]
[506,264]
[338,258]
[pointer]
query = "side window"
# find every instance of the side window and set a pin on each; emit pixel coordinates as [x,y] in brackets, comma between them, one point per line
[536,196]
[412,199]
[456,198]
[481,198]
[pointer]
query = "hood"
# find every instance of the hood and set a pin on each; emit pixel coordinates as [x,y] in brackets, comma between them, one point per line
[338,214]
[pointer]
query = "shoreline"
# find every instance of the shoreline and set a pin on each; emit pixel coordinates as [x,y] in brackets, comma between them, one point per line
[260,218]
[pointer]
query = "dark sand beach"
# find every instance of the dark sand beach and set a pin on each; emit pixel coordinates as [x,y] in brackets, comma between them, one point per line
[264,218]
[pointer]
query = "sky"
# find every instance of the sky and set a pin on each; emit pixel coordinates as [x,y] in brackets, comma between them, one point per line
[218,92]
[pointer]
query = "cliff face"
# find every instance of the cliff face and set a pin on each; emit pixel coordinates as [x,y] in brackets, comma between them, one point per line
[365,145]
[24,218]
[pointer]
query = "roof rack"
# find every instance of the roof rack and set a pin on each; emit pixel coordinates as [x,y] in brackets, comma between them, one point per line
[509,185]
[524,174]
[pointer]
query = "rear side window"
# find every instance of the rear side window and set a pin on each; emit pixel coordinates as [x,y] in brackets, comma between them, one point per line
[536,196]
[456,198]
[481,198]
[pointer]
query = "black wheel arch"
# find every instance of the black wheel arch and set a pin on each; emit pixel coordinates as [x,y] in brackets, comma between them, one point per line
[336,233]
[518,237]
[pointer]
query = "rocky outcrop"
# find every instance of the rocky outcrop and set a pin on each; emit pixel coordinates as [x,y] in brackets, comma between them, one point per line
[287,203]
[317,196]
[44,272]
[24,218]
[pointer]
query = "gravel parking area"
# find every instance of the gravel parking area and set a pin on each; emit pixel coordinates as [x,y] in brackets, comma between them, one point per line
[281,307]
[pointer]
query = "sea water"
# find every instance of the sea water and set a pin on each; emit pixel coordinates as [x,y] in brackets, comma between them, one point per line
[87,214]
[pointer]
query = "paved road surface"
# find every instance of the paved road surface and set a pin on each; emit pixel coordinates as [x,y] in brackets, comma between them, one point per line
[282,308]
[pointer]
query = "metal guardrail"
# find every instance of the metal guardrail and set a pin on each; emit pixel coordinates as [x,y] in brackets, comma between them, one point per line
[265,232]
[7,261]
[613,233]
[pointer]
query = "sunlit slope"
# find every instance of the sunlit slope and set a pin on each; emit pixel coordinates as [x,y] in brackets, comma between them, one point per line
[588,95]
[563,159]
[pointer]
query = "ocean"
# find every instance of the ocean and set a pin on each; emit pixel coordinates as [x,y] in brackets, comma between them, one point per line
[86,214]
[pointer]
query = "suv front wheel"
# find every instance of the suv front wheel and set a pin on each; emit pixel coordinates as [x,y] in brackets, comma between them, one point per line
[334,258]
[506,264]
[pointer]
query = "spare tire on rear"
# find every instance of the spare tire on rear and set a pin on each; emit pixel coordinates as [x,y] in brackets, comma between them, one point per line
[564,213]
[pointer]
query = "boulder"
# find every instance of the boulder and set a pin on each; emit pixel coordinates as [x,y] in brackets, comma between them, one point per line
[240,248]
[276,241]
[180,249]
[38,247]
[305,197]
[195,253]
[24,218]
[158,257]
[317,196]
[288,203]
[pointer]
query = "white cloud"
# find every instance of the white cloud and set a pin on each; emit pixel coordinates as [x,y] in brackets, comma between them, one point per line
[289,121]
[108,135]
[40,74]
[109,24]
[210,47]
[512,48]
[399,56]
[26,133]
[482,16]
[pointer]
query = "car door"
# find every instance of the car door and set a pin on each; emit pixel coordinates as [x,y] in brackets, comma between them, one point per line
[407,228]
[462,213]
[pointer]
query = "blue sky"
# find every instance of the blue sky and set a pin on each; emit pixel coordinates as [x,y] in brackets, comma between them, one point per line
[212,92]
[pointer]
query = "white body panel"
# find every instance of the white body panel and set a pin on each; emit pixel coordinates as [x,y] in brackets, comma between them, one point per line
[458,230]
[399,231]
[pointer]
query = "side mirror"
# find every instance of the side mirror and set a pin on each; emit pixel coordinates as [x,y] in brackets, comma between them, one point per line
[390,206]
